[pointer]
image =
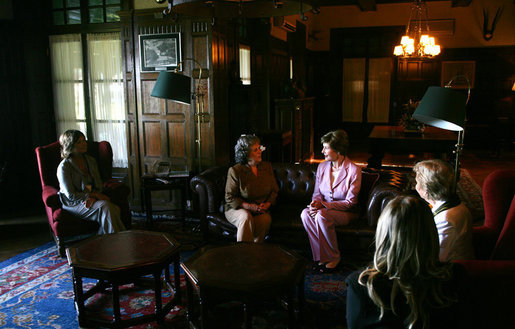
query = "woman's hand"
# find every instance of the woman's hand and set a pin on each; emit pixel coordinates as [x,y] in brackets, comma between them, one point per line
[253,207]
[264,206]
[314,206]
[89,202]
[99,196]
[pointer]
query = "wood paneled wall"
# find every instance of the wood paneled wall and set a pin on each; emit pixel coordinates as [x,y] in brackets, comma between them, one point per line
[158,129]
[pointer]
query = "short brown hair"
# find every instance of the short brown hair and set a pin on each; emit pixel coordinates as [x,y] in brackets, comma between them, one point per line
[337,140]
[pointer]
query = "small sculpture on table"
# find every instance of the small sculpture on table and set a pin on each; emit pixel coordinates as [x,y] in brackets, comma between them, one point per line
[412,127]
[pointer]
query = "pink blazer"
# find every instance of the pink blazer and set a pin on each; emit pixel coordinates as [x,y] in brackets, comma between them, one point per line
[344,195]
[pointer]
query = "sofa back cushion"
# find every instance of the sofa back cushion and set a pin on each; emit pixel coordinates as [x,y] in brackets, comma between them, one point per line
[296,182]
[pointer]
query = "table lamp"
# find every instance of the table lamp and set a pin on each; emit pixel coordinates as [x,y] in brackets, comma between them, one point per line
[177,87]
[444,108]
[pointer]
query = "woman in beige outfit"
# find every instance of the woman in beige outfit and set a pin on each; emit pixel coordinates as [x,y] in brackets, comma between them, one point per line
[250,190]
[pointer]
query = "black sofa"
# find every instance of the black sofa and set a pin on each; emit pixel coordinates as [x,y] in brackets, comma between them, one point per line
[296,183]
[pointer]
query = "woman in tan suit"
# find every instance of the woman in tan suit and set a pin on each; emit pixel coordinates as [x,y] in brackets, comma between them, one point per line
[250,190]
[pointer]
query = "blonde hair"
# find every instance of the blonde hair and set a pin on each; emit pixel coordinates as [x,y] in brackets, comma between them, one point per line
[68,140]
[436,178]
[407,251]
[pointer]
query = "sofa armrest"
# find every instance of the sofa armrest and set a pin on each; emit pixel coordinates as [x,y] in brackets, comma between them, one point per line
[379,197]
[209,186]
[51,198]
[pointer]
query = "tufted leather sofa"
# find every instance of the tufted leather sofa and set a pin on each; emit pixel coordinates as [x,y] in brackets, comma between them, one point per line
[296,183]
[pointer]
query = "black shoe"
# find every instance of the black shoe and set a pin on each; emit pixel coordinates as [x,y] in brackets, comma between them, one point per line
[316,266]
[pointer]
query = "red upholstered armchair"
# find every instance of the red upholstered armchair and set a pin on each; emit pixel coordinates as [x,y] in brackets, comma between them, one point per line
[66,227]
[492,275]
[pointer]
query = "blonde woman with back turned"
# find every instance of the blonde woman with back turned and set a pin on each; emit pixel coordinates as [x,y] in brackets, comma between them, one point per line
[406,286]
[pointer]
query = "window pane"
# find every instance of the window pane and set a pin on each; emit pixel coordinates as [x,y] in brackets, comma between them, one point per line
[72,3]
[113,2]
[73,16]
[56,4]
[245,65]
[95,2]
[59,18]
[96,15]
[111,14]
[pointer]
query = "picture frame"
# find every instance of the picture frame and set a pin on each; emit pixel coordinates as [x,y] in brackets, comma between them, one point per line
[457,71]
[160,52]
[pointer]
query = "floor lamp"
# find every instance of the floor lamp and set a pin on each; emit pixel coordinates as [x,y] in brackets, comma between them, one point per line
[445,108]
[177,87]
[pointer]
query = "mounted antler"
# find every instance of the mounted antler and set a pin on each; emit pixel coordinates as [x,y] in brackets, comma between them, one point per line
[489,33]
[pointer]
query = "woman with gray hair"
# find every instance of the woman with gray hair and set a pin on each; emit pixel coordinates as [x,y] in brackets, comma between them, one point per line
[80,185]
[250,190]
[452,218]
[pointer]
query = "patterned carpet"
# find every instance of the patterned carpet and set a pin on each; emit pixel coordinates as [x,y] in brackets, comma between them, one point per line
[36,291]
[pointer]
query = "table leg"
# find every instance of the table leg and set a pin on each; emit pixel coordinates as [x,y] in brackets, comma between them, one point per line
[158,302]
[148,205]
[291,310]
[79,299]
[300,297]
[183,201]
[203,309]
[247,315]
[177,279]
[189,296]
[116,303]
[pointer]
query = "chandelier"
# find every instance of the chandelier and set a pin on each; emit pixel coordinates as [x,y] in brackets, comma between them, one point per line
[417,42]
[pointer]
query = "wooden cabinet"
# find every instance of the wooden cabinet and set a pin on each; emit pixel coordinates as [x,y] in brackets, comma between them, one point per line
[296,115]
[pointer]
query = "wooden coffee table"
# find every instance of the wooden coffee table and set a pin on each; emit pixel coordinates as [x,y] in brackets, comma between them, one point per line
[122,258]
[246,272]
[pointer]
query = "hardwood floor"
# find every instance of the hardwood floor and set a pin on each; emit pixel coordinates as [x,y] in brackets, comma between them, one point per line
[24,233]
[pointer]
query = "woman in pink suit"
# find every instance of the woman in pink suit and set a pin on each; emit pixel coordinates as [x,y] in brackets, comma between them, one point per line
[334,201]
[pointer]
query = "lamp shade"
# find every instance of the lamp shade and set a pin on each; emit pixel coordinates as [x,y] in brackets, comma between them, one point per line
[173,86]
[443,108]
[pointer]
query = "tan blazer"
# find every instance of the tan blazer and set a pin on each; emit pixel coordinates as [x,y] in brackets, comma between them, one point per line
[243,186]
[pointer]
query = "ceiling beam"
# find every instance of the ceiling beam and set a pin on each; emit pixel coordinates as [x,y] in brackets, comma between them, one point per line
[461,3]
[367,5]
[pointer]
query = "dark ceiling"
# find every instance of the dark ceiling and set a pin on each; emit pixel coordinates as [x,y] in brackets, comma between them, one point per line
[370,5]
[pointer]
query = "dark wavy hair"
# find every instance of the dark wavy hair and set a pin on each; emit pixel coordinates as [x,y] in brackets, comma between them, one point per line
[68,140]
[243,147]
[337,140]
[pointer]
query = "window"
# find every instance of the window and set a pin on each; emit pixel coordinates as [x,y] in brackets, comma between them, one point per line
[101,115]
[291,68]
[245,64]
[69,12]
[376,83]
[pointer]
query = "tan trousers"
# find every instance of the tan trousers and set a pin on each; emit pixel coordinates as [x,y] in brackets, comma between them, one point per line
[250,227]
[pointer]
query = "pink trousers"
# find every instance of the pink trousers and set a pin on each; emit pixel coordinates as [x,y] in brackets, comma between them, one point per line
[322,234]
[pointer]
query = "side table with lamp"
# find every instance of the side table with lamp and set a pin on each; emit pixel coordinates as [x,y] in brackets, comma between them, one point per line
[165,181]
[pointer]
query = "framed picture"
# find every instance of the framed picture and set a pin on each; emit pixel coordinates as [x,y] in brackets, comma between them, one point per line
[159,52]
[458,72]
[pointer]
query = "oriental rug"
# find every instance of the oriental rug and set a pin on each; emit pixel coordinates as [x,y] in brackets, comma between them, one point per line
[36,291]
